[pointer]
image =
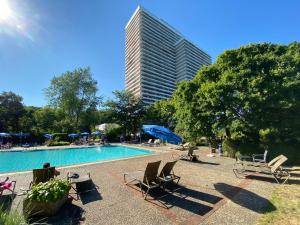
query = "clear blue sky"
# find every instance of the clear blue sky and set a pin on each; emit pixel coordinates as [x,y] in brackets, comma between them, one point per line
[40,39]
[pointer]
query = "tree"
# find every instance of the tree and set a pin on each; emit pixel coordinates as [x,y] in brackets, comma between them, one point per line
[127,111]
[73,92]
[11,111]
[251,93]
[161,113]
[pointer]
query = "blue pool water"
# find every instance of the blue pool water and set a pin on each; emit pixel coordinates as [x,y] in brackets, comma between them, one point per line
[27,160]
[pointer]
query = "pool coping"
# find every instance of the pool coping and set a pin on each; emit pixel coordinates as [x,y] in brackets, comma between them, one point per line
[154,152]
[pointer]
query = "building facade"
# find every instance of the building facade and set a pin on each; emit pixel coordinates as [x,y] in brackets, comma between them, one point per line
[157,57]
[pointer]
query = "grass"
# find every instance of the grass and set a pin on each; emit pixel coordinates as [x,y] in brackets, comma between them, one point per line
[11,218]
[286,199]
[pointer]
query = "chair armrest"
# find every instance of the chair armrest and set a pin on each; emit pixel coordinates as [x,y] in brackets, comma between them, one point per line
[258,155]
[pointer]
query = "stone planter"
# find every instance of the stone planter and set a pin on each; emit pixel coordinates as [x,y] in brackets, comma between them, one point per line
[36,208]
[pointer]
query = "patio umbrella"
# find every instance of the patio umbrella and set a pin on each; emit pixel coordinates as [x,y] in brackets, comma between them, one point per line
[96,133]
[3,135]
[73,135]
[48,136]
[162,133]
[21,135]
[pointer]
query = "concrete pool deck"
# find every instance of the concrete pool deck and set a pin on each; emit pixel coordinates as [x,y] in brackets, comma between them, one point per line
[208,193]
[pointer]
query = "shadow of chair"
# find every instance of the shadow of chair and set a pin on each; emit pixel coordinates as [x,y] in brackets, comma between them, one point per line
[176,195]
[245,198]
[6,201]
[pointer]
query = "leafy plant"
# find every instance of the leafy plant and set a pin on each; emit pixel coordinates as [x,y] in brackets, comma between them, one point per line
[50,191]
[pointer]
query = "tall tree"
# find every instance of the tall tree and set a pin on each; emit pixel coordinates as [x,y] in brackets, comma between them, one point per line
[161,113]
[74,92]
[127,110]
[11,111]
[249,93]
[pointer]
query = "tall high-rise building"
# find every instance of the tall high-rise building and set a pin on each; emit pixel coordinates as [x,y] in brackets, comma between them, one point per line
[157,56]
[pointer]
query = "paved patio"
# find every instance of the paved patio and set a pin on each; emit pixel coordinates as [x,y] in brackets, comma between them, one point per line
[208,193]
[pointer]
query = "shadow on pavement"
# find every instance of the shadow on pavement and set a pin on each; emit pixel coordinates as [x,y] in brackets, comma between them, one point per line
[245,198]
[69,214]
[201,162]
[6,201]
[90,196]
[185,198]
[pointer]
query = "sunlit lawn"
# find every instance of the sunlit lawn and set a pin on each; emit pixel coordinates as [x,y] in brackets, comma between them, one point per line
[286,199]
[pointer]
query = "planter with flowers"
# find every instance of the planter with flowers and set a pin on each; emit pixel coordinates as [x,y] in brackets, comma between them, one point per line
[46,199]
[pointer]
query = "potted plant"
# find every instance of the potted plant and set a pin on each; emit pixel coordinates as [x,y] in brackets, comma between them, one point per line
[46,199]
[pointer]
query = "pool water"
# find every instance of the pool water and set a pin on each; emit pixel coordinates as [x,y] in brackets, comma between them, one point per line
[27,160]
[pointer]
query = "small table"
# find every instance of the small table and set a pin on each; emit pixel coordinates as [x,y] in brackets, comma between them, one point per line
[82,183]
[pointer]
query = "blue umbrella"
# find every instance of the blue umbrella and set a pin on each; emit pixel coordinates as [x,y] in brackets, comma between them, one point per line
[85,133]
[4,134]
[73,135]
[162,133]
[21,135]
[48,136]
[96,133]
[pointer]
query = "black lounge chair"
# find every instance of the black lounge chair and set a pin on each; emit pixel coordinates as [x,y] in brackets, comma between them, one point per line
[167,174]
[147,178]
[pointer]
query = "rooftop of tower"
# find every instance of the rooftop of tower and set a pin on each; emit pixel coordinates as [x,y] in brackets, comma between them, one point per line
[165,23]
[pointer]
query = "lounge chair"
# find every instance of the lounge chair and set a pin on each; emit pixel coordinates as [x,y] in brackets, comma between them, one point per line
[167,174]
[280,175]
[190,155]
[42,175]
[147,178]
[246,164]
[157,142]
[9,186]
[262,158]
[274,168]
[150,143]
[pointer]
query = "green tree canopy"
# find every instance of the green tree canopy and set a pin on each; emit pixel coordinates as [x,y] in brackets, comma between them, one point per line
[250,93]
[161,113]
[127,110]
[11,112]
[74,92]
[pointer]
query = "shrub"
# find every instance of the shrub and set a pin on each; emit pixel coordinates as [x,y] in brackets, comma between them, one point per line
[114,134]
[50,191]
[58,143]
[60,137]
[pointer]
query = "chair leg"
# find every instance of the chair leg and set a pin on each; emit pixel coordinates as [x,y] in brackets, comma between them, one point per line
[146,194]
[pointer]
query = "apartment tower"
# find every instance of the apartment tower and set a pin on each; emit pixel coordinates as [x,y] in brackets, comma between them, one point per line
[157,57]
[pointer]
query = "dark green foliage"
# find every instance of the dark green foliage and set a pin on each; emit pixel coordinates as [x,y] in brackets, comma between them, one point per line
[127,110]
[60,137]
[114,134]
[50,191]
[11,112]
[251,95]
[74,92]
[161,113]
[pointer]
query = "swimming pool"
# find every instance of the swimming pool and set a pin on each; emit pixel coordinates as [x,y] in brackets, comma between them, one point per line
[13,161]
